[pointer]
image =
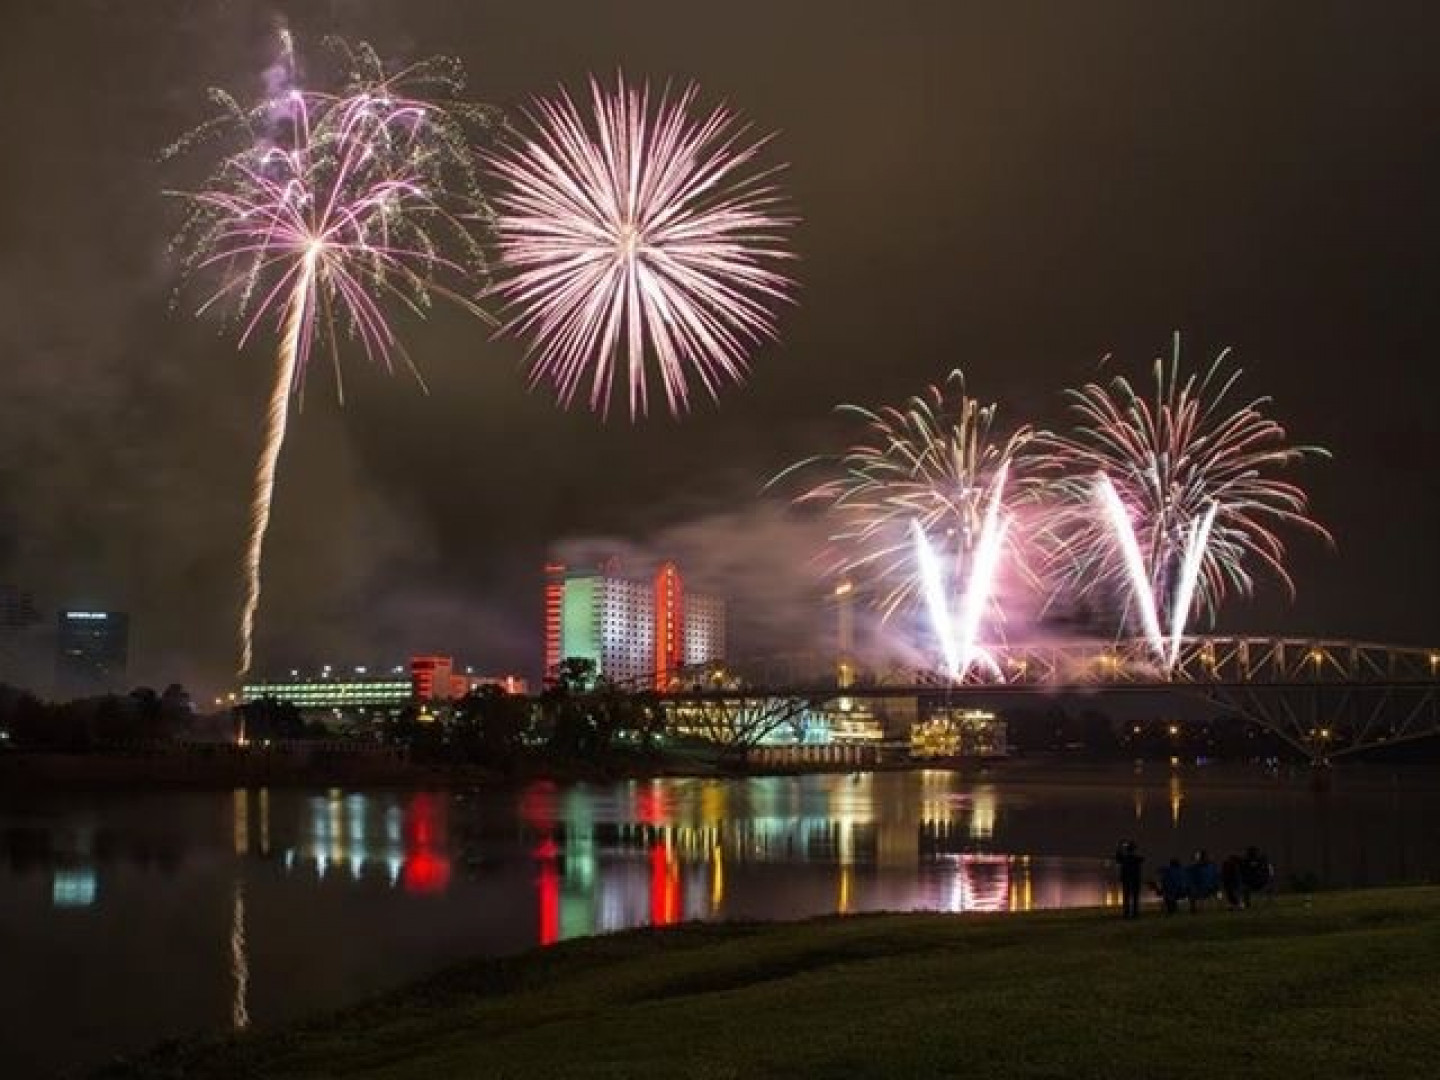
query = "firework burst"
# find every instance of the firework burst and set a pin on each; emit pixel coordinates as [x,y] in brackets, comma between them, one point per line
[324,208]
[637,239]
[1172,498]
[919,508]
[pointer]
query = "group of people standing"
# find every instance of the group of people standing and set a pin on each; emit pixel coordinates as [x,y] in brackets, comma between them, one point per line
[1240,878]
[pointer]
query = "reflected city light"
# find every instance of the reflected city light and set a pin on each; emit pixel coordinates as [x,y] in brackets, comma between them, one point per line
[239,961]
[717,879]
[426,868]
[658,852]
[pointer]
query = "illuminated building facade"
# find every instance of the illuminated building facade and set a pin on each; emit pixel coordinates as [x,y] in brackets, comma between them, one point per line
[435,678]
[92,649]
[704,629]
[431,679]
[669,625]
[958,733]
[554,601]
[345,693]
[638,633]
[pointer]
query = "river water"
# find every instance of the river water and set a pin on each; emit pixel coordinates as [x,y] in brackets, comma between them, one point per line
[128,918]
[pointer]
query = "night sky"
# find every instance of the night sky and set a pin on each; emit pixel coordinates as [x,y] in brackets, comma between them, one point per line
[1014,189]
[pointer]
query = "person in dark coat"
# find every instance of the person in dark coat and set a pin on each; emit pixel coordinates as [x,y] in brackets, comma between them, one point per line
[1232,879]
[1173,886]
[1202,880]
[1130,862]
[1255,873]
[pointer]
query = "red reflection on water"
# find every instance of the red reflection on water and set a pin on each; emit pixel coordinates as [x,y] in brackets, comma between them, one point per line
[537,805]
[650,807]
[426,868]
[664,887]
[549,888]
[425,872]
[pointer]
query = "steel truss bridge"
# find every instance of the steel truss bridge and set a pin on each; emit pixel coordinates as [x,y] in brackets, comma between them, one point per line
[1326,699]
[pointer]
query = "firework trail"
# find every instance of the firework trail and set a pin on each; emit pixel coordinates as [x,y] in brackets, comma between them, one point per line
[937,603]
[1189,498]
[1195,546]
[932,461]
[637,237]
[980,589]
[330,204]
[959,642]
[1141,587]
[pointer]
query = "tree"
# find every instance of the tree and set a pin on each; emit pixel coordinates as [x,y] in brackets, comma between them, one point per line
[490,726]
[270,718]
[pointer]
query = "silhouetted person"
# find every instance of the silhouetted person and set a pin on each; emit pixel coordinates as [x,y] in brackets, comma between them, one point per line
[1202,879]
[1255,873]
[1131,862]
[1232,879]
[1173,886]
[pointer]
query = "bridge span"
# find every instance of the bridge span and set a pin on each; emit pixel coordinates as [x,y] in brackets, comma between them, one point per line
[1327,699]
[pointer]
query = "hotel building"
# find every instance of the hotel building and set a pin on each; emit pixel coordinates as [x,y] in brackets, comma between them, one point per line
[637,632]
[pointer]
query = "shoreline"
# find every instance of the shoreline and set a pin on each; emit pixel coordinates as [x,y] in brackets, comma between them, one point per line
[1043,993]
[167,770]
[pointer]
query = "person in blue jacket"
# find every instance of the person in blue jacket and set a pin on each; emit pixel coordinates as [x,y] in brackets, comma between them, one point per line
[1202,880]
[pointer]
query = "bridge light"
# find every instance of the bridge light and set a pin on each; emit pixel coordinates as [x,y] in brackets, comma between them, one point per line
[1174,729]
[1324,733]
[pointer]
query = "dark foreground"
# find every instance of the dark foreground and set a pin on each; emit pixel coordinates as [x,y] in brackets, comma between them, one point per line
[1346,984]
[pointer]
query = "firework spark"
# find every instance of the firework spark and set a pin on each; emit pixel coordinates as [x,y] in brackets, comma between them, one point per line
[932,461]
[1188,497]
[329,205]
[640,238]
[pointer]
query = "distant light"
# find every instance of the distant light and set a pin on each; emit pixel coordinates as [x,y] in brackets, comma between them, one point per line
[73,888]
[101,615]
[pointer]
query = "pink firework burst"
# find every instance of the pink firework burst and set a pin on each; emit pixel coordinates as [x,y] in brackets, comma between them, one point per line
[639,237]
[324,206]
[1190,500]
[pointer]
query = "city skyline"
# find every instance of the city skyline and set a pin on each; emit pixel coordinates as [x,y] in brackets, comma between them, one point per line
[1279,209]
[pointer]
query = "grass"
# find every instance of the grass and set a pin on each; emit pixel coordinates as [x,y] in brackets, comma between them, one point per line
[1346,984]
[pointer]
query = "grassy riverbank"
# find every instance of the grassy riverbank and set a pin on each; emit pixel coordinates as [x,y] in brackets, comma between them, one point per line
[1341,985]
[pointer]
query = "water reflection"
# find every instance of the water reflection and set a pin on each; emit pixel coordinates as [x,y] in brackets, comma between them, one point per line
[239,961]
[234,909]
[661,851]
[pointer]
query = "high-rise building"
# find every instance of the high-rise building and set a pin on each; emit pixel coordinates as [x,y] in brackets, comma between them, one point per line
[91,651]
[704,629]
[554,599]
[17,609]
[19,637]
[638,633]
